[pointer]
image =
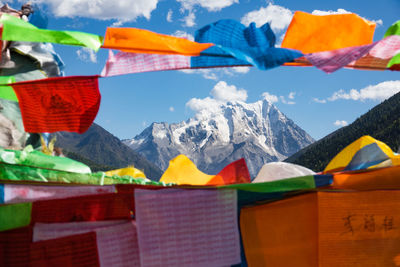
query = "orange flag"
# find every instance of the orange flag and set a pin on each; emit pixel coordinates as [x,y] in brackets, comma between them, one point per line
[313,33]
[143,41]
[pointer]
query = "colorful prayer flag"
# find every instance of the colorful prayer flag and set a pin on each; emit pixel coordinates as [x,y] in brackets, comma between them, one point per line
[58,104]
[314,33]
[178,227]
[15,29]
[143,41]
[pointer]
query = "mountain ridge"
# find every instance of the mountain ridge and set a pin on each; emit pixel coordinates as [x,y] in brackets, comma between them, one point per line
[258,132]
[381,122]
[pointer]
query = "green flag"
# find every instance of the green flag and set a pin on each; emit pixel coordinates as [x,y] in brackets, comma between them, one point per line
[393,30]
[291,184]
[7,92]
[395,60]
[15,29]
[15,215]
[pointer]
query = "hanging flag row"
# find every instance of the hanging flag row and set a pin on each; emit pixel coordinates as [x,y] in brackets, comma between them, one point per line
[71,103]
[342,39]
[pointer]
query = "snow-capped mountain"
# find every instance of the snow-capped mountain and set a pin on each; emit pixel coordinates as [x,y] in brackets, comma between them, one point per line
[257,132]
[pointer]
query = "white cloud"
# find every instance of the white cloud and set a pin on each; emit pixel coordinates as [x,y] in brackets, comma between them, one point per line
[224,92]
[277,16]
[189,20]
[241,69]
[378,22]
[221,94]
[330,12]
[87,55]
[317,100]
[217,73]
[377,92]
[210,5]
[274,98]
[183,34]
[172,109]
[169,15]
[122,10]
[206,73]
[340,123]
[271,98]
[284,101]
[206,104]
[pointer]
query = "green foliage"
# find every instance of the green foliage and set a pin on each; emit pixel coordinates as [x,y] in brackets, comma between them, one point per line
[382,123]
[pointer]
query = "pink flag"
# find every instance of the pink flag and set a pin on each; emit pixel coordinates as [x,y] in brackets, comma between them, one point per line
[178,227]
[17,193]
[380,55]
[124,63]
[330,61]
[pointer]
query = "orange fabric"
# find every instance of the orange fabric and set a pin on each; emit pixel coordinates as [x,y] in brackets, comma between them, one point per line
[282,233]
[359,228]
[312,33]
[383,178]
[143,41]
[234,173]
[324,229]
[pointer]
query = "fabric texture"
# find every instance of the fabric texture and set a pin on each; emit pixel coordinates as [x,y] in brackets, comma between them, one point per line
[313,33]
[7,92]
[124,63]
[143,41]
[15,29]
[179,227]
[18,193]
[74,250]
[330,61]
[58,104]
[247,44]
[115,206]
[15,215]
[116,240]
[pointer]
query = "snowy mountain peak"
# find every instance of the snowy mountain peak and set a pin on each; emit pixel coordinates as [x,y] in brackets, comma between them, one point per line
[217,136]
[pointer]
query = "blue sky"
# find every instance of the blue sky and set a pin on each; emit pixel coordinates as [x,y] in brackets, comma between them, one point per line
[319,103]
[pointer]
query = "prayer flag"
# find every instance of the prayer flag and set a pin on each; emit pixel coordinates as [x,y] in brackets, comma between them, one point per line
[74,250]
[15,215]
[15,247]
[178,227]
[234,173]
[17,193]
[393,30]
[58,104]
[250,44]
[7,92]
[86,208]
[330,61]
[314,33]
[181,170]
[116,240]
[15,29]
[124,63]
[143,41]
[324,229]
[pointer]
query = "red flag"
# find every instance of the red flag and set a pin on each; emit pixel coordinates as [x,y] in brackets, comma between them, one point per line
[85,208]
[233,173]
[74,250]
[58,104]
[15,246]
